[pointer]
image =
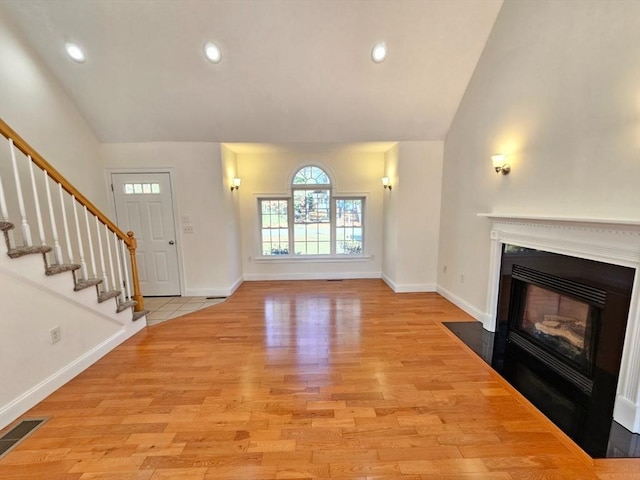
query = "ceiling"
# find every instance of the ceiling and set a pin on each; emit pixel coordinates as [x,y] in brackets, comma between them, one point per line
[291,71]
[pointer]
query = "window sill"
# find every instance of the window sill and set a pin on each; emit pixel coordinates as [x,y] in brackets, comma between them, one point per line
[312,259]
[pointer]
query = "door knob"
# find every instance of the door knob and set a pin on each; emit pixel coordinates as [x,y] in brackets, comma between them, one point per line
[171,242]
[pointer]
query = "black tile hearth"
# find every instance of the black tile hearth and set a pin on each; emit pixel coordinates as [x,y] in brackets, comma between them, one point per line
[566,407]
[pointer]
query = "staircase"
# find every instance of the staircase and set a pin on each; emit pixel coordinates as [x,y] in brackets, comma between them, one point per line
[69,292]
[78,282]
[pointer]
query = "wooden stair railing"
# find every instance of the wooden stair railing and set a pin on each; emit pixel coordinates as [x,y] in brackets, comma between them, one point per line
[37,159]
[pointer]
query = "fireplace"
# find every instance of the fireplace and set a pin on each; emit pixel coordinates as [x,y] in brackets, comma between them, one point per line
[563,303]
[563,320]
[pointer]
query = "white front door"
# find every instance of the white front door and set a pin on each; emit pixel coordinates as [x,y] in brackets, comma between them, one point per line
[144,205]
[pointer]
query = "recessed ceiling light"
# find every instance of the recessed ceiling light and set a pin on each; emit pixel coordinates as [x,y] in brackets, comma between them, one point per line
[212,52]
[75,52]
[379,52]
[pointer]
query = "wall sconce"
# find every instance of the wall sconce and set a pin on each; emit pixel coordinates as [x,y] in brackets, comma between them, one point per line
[385,182]
[235,184]
[500,163]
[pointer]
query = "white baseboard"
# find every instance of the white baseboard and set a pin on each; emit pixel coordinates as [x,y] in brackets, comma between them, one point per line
[408,287]
[463,304]
[256,277]
[213,292]
[236,284]
[627,413]
[392,285]
[37,393]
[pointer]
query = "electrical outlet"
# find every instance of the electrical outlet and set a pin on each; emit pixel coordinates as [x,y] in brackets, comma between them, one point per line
[462,278]
[186,218]
[444,269]
[187,229]
[56,335]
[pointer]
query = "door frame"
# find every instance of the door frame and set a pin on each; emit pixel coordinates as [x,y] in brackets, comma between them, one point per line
[174,204]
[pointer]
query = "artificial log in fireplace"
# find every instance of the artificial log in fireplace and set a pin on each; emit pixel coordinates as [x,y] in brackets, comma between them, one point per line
[560,336]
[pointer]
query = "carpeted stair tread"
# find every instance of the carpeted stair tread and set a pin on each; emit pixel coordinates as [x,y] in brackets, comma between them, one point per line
[104,296]
[22,251]
[5,226]
[60,268]
[82,284]
[124,305]
[140,314]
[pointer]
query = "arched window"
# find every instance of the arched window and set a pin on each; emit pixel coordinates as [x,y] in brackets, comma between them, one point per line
[311,176]
[312,221]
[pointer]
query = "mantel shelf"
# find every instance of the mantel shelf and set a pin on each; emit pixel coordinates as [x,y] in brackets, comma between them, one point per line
[557,219]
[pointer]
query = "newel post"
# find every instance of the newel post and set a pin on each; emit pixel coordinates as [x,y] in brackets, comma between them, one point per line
[137,296]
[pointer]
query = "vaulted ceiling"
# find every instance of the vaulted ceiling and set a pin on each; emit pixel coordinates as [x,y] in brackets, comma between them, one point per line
[291,70]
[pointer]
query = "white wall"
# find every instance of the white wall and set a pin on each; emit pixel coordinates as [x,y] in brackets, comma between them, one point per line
[202,194]
[390,217]
[268,170]
[34,104]
[27,358]
[412,216]
[419,221]
[557,89]
[231,207]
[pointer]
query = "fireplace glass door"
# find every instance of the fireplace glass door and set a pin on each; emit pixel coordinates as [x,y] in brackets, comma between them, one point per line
[561,324]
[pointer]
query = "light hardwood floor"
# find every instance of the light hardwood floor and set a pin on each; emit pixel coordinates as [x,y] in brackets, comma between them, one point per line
[298,380]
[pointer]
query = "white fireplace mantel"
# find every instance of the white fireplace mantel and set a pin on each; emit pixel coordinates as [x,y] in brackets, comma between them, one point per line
[612,241]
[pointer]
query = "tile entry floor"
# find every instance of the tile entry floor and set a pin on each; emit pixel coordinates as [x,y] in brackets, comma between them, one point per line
[162,309]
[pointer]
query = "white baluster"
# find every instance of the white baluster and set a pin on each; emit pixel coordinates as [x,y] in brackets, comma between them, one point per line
[57,251]
[83,264]
[67,239]
[92,256]
[36,200]
[105,280]
[119,264]
[127,283]
[24,225]
[4,212]
[113,273]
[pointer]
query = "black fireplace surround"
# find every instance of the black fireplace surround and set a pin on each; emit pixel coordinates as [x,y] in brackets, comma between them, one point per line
[559,337]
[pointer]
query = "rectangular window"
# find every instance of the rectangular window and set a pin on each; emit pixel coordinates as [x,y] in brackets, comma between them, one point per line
[274,226]
[141,188]
[349,226]
[317,225]
[312,222]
